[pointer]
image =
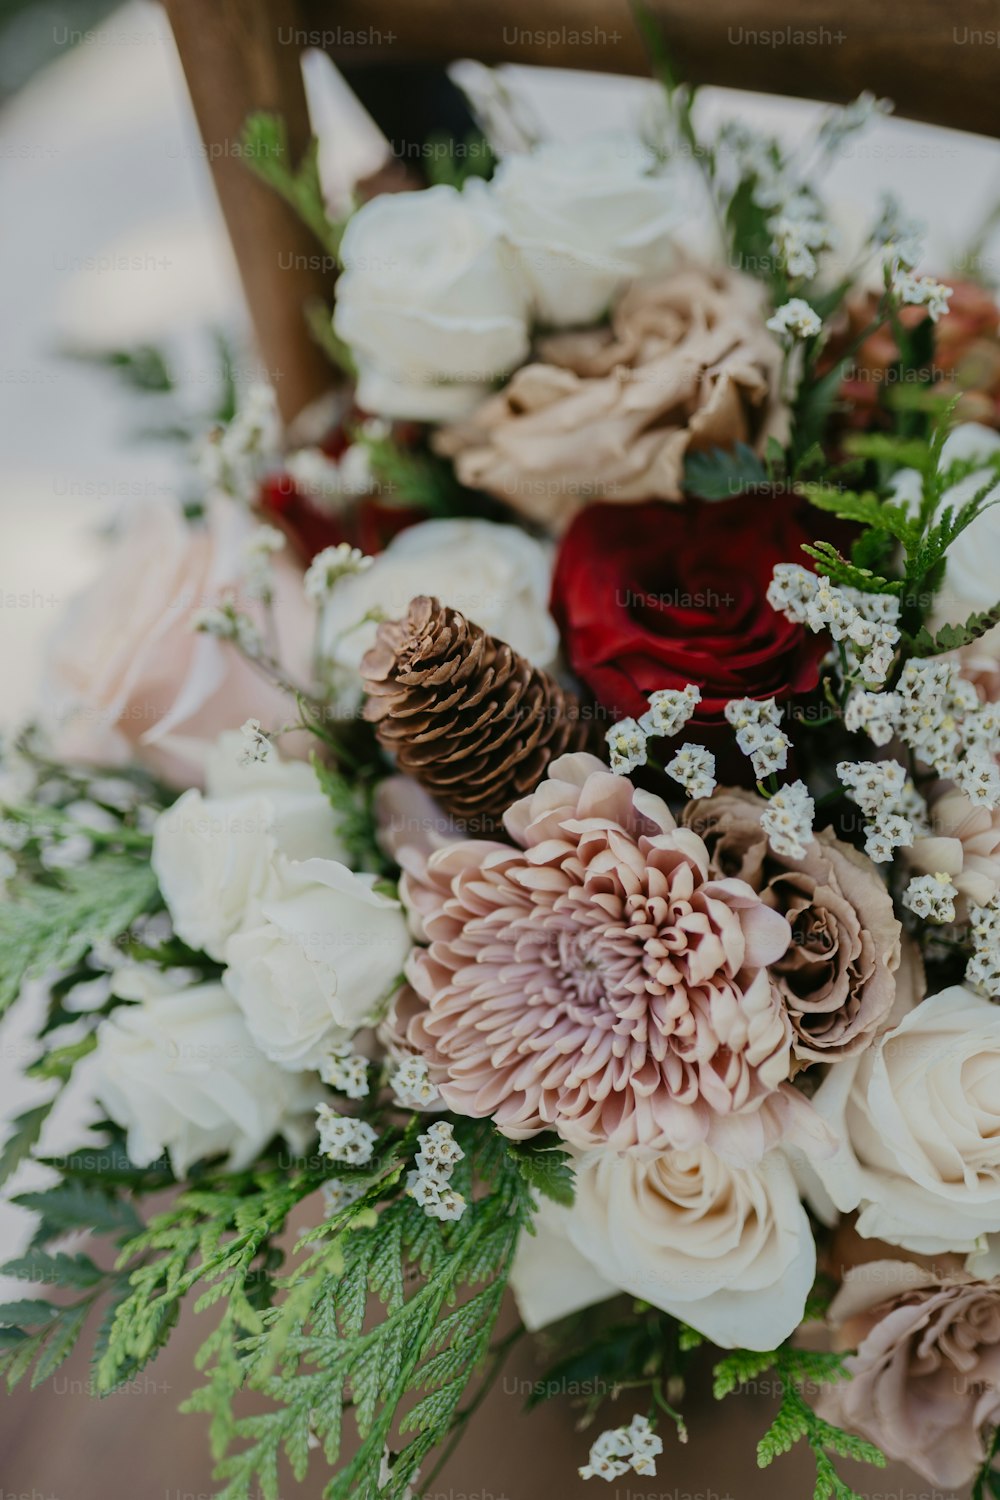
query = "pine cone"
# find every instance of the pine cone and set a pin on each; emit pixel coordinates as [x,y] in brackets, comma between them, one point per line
[465,715]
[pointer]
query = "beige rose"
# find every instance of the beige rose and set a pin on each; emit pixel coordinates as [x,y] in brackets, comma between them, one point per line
[127,677]
[611,412]
[964,843]
[837,979]
[925,1380]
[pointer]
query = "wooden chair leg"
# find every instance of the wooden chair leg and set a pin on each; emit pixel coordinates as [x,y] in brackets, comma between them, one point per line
[240,56]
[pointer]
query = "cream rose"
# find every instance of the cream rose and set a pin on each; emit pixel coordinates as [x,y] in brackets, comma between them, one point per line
[126,675]
[428,302]
[498,576]
[314,958]
[179,1072]
[585,217]
[728,1249]
[213,854]
[918,1121]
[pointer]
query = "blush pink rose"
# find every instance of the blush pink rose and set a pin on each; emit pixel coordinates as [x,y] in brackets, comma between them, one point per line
[925,1380]
[128,679]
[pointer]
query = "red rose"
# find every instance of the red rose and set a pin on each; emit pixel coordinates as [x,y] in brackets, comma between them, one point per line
[656,596]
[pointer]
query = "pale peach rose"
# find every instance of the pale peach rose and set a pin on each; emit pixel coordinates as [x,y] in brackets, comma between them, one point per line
[685,365]
[925,1380]
[837,980]
[964,844]
[128,679]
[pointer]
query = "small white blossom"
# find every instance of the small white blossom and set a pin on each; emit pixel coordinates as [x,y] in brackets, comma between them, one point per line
[921,291]
[226,623]
[258,549]
[873,713]
[329,566]
[788,820]
[931,897]
[234,458]
[791,591]
[345,1070]
[872,784]
[979,777]
[626,741]
[619,1449]
[797,240]
[338,1194]
[256,747]
[343,1138]
[887,834]
[424,1188]
[435,1161]
[451,1205]
[669,710]
[67,853]
[983,970]
[411,1084]
[795,319]
[694,767]
[900,236]
[438,1144]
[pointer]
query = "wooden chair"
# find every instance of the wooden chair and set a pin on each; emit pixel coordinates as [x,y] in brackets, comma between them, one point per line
[939,60]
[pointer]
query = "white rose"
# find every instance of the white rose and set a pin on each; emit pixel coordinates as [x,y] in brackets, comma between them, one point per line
[586,217]
[727,1249]
[213,854]
[180,1073]
[918,1117]
[428,302]
[315,958]
[498,576]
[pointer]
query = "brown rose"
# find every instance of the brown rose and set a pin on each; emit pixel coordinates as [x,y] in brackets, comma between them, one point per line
[925,1380]
[837,978]
[610,412]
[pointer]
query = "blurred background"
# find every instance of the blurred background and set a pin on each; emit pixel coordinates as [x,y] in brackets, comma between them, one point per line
[123,324]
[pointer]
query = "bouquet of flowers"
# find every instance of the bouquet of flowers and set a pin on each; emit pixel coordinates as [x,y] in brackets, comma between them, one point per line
[539,826]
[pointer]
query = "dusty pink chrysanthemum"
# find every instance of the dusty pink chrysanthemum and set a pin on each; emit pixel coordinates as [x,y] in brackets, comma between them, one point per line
[594,979]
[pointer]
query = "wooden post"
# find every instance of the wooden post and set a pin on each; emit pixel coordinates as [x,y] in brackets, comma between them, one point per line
[240,56]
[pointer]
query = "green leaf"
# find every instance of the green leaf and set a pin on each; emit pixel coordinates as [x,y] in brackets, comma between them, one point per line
[356,824]
[266,153]
[75,1205]
[795,1419]
[142,367]
[55,1270]
[739,1368]
[60,1062]
[952,637]
[53,926]
[408,477]
[865,508]
[546,1167]
[25,1134]
[837,568]
[27,1314]
[60,1342]
[719,475]
[359,1330]
[987,1480]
